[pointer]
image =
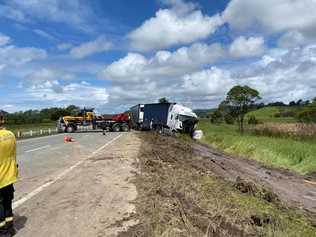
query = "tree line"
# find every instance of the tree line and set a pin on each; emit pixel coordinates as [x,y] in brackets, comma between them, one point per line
[46,115]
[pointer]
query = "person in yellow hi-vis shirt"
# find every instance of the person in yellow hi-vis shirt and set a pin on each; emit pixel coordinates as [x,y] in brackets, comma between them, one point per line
[8,176]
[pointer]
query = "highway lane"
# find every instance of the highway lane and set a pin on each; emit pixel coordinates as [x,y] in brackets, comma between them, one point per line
[42,159]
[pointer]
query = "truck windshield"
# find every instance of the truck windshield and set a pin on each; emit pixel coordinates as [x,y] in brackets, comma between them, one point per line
[183,118]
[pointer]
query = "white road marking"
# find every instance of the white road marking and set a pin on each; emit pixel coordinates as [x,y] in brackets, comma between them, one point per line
[37,149]
[39,138]
[21,201]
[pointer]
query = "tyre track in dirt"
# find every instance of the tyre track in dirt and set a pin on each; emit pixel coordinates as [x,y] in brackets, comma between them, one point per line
[292,189]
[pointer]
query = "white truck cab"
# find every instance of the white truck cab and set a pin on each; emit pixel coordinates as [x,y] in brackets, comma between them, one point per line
[181,118]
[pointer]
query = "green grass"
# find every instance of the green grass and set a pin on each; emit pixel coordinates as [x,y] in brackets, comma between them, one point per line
[287,153]
[27,127]
[266,115]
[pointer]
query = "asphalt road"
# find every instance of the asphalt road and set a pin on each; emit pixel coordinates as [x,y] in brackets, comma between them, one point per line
[43,159]
[92,194]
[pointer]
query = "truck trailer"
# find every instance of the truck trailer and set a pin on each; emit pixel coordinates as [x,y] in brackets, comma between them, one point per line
[162,116]
[137,116]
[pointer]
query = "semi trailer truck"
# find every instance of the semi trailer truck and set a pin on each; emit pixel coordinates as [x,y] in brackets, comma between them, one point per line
[163,116]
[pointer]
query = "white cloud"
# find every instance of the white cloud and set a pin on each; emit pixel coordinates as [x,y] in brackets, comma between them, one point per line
[12,55]
[4,39]
[272,16]
[129,68]
[292,39]
[64,46]
[75,13]
[11,13]
[181,24]
[209,83]
[99,45]
[287,75]
[50,85]
[180,6]
[136,67]
[44,34]
[284,77]
[2,66]
[42,76]
[72,93]
[243,47]
[137,79]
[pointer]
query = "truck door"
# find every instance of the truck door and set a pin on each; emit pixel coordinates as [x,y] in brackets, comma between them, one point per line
[141,113]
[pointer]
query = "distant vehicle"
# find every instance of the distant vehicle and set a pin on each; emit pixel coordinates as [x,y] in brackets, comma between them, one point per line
[161,116]
[87,117]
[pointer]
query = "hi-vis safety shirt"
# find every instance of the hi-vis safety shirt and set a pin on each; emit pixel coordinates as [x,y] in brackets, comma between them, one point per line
[8,166]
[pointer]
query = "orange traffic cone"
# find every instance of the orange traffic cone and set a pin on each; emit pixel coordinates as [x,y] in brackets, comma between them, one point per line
[68,139]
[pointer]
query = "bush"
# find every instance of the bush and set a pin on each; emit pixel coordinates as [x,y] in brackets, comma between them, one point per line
[307,116]
[46,120]
[285,114]
[253,120]
[229,119]
[216,117]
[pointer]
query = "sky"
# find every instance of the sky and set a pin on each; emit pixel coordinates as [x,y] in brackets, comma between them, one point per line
[111,55]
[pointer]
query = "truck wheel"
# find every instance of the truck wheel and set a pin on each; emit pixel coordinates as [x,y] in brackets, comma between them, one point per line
[159,129]
[125,128]
[70,129]
[116,128]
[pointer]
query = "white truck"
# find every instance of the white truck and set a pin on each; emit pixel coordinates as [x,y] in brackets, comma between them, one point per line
[163,116]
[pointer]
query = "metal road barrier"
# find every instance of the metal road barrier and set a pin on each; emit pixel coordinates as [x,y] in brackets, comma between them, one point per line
[35,133]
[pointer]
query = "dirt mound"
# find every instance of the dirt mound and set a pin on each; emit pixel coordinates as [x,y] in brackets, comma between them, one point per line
[311,177]
[256,190]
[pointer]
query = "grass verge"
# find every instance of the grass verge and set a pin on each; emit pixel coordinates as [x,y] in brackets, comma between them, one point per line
[287,153]
[267,115]
[27,127]
[179,196]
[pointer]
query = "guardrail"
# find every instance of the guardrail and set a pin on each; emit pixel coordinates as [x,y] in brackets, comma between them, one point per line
[47,132]
[36,133]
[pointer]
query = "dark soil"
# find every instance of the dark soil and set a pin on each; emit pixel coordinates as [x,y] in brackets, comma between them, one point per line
[292,189]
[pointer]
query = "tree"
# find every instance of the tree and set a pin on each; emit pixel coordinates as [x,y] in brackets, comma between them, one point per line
[292,103]
[252,120]
[163,100]
[299,102]
[73,110]
[229,119]
[216,117]
[307,116]
[278,103]
[240,99]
